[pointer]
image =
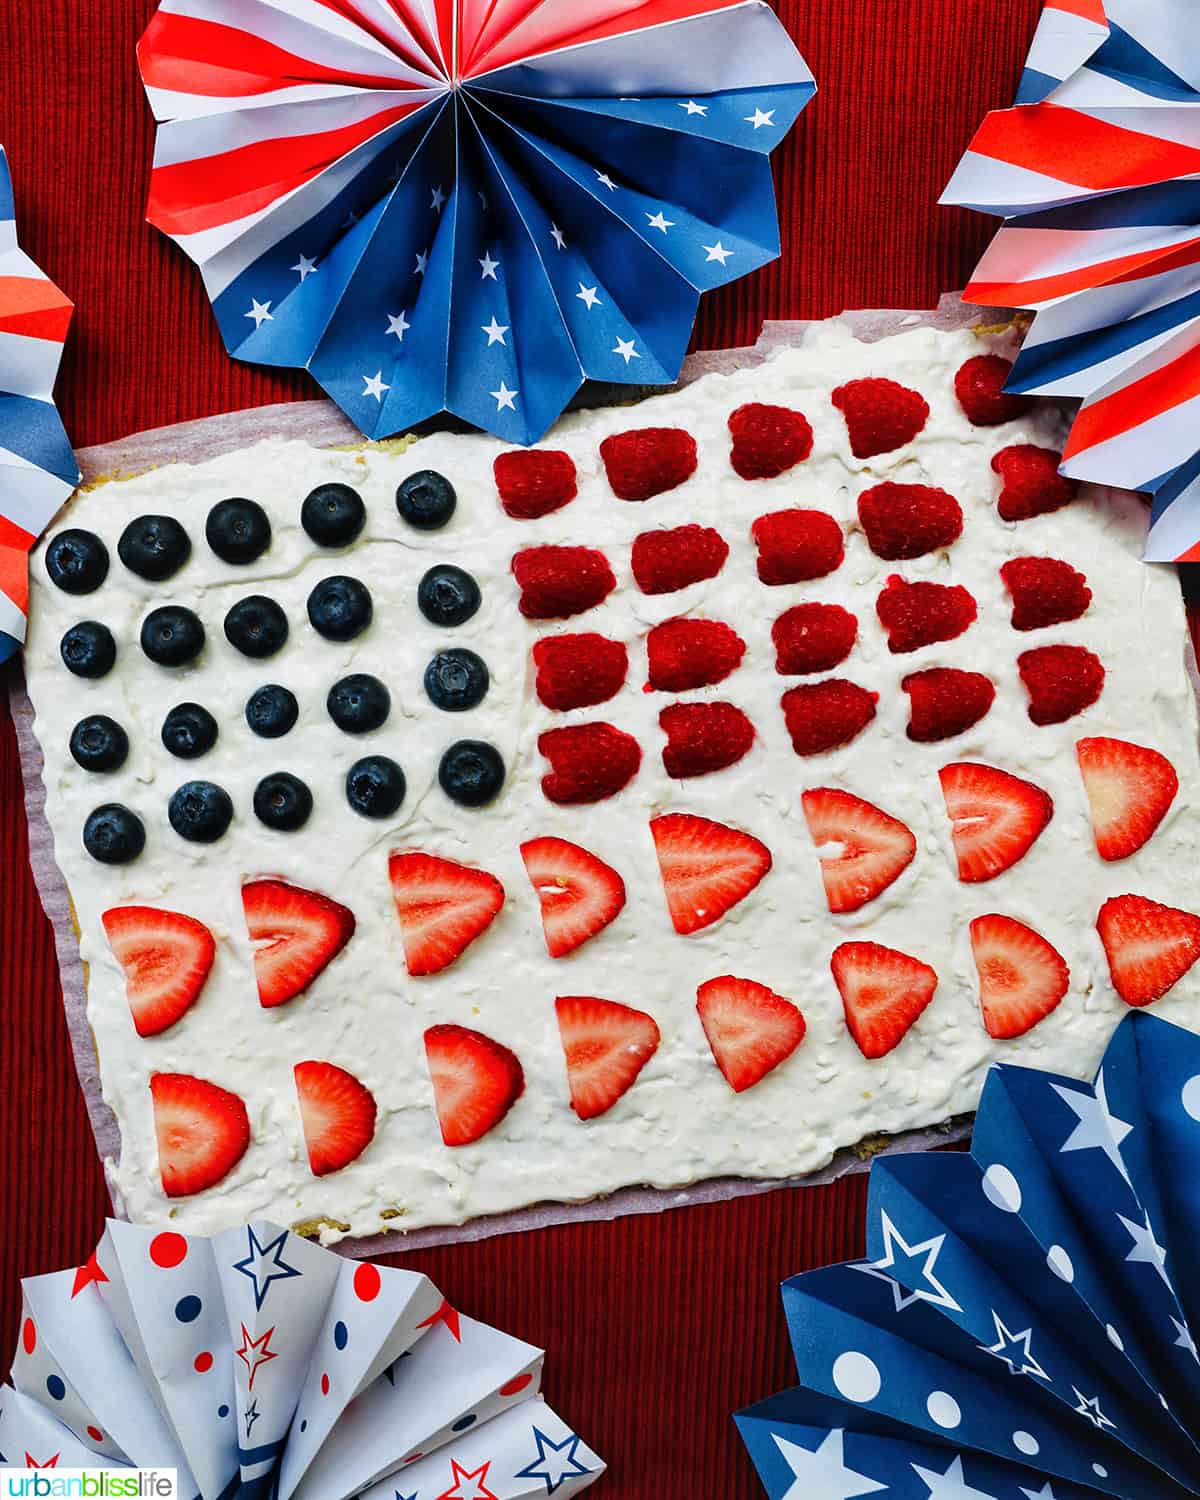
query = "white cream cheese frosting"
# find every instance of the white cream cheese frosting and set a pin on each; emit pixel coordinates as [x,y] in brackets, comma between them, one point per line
[681,1122]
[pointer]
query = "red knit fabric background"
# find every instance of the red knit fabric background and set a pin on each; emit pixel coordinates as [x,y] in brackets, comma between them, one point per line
[659,1327]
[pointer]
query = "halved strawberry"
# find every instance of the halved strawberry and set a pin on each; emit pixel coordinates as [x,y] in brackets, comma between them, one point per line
[202,1131]
[883,992]
[1022,977]
[476,1081]
[1129,790]
[995,817]
[443,907]
[606,1045]
[338,1115]
[750,1028]
[862,849]
[580,894]
[299,933]
[1150,947]
[166,957]
[706,867]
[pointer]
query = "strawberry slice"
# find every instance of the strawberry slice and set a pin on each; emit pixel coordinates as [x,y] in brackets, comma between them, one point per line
[606,1045]
[580,894]
[299,934]
[443,907]
[337,1113]
[1150,947]
[706,867]
[862,848]
[1022,977]
[750,1028]
[995,818]
[1129,790]
[202,1131]
[883,992]
[476,1081]
[166,957]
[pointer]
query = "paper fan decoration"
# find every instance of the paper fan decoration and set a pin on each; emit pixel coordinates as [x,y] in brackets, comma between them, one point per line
[37,467]
[259,1364]
[1095,173]
[467,205]
[1024,1324]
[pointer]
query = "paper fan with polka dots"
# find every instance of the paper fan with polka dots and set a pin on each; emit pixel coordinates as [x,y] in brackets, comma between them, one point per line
[259,1364]
[1023,1326]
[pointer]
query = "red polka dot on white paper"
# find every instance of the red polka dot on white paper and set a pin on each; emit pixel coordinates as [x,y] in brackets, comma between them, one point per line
[168,1249]
[29,1336]
[367,1282]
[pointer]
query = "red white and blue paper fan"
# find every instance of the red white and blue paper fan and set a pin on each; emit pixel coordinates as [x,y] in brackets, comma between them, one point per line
[1095,172]
[37,467]
[468,206]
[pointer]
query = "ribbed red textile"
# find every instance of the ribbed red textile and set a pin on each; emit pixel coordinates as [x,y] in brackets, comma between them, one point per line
[658,1327]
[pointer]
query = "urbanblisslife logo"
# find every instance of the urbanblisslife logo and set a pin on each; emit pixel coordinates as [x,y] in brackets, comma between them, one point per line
[48,1482]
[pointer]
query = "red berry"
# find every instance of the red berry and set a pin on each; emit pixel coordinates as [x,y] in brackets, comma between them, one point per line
[576,671]
[1061,681]
[588,762]
[703,737]
[166,957]
[442,907]
[813,638]
[995,818]
[648,461]
[580,894]
[796,545]
[908,520]
[1149,946]
[202,1132]
[476,1081]
[768,440]
[559,581]
[606,1045]
[881,415]
[1022,977]
[823,715]
[687,654]
[979,386]
[1044,591]
[533,482]
[664,561]
[297,934]
[946,702]
[883,993]
[337,1114]
[1130,789]
[706,868]
[750,1029]
[917,614]
[1032,484]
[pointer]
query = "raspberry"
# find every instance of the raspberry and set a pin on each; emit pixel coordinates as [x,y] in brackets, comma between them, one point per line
[559,581]
[917,614]
[823,715]
[881,415]
[588,762]
[686,654]
[813,638]
[796,545]
[945,702]
[979,386]
[1044,591]
[533,482]
[1061,681]
[1032,484]
[768,440]
[908,520]
[703,737]
[646,462]
[576,671]
[664,561]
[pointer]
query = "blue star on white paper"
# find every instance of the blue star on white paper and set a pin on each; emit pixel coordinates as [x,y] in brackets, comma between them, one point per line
[260,312]
[660,221]
[587,295]
[504,398]
[252,1415]
[413,1496]
[1007,1342]
[717,252]
[951,1485]
[823,1472]
[398,324]
[1089,1407]
[626,350]
[760,117]
[693,108]
[305,267]
[375,385]
[488,267]
[1098,1127]
[555,1462]
[930,1249]
[495,332]
[265,1264]
[1146,1249]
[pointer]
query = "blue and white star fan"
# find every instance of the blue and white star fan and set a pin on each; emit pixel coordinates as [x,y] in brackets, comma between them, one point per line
[468,206]
[1022,1327]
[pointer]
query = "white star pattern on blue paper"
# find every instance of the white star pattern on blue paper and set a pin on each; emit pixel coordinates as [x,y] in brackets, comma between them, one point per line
[587,295]
[265,1264]
[260,312]
[375,385]
[438,199]
[1089,1407]
[488,267]
[505,399]
[305,267]
[1183,1338]
[1146,1249]
[606,181]
[717,252]
[1097,1128]
[1045,1493]
[398,324]
[626,350]
[1023,1363]
[823,1472]
[555,1462]
[930,1249]
[693,108]
[660,221]
[951,1485]
[495,332]
[761,117]
[558,237]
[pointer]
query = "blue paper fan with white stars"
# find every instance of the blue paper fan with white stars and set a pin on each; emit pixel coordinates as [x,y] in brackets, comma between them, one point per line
[261,1366]
[1023,1324]
[470,206]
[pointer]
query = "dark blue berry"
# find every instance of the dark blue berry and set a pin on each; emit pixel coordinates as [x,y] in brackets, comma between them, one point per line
[200,812]
[447,595]
[271,711]
[282,801]
[113,834]
[88,649]
[189,731]
[77,561]
[456,680]
[256,626]
[238,530]
[172,636]
[426,500]
[333,515]
[98,743]
[154,547]
[471,772]
[358,703]
[339,608]
[375,786]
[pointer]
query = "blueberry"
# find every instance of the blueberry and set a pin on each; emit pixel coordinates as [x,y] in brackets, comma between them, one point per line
[113,834]
[471,772]
[358,703]
[154,547]
[271,711]
[88,649]
[282,801]
[333,515]
[426,500]
[447,595]
[77,561]
[98,743]
[339,608]
[189,731]
[456,680]
[172,636]
[375,786]
[200,812]
[238,530]
[256,626]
